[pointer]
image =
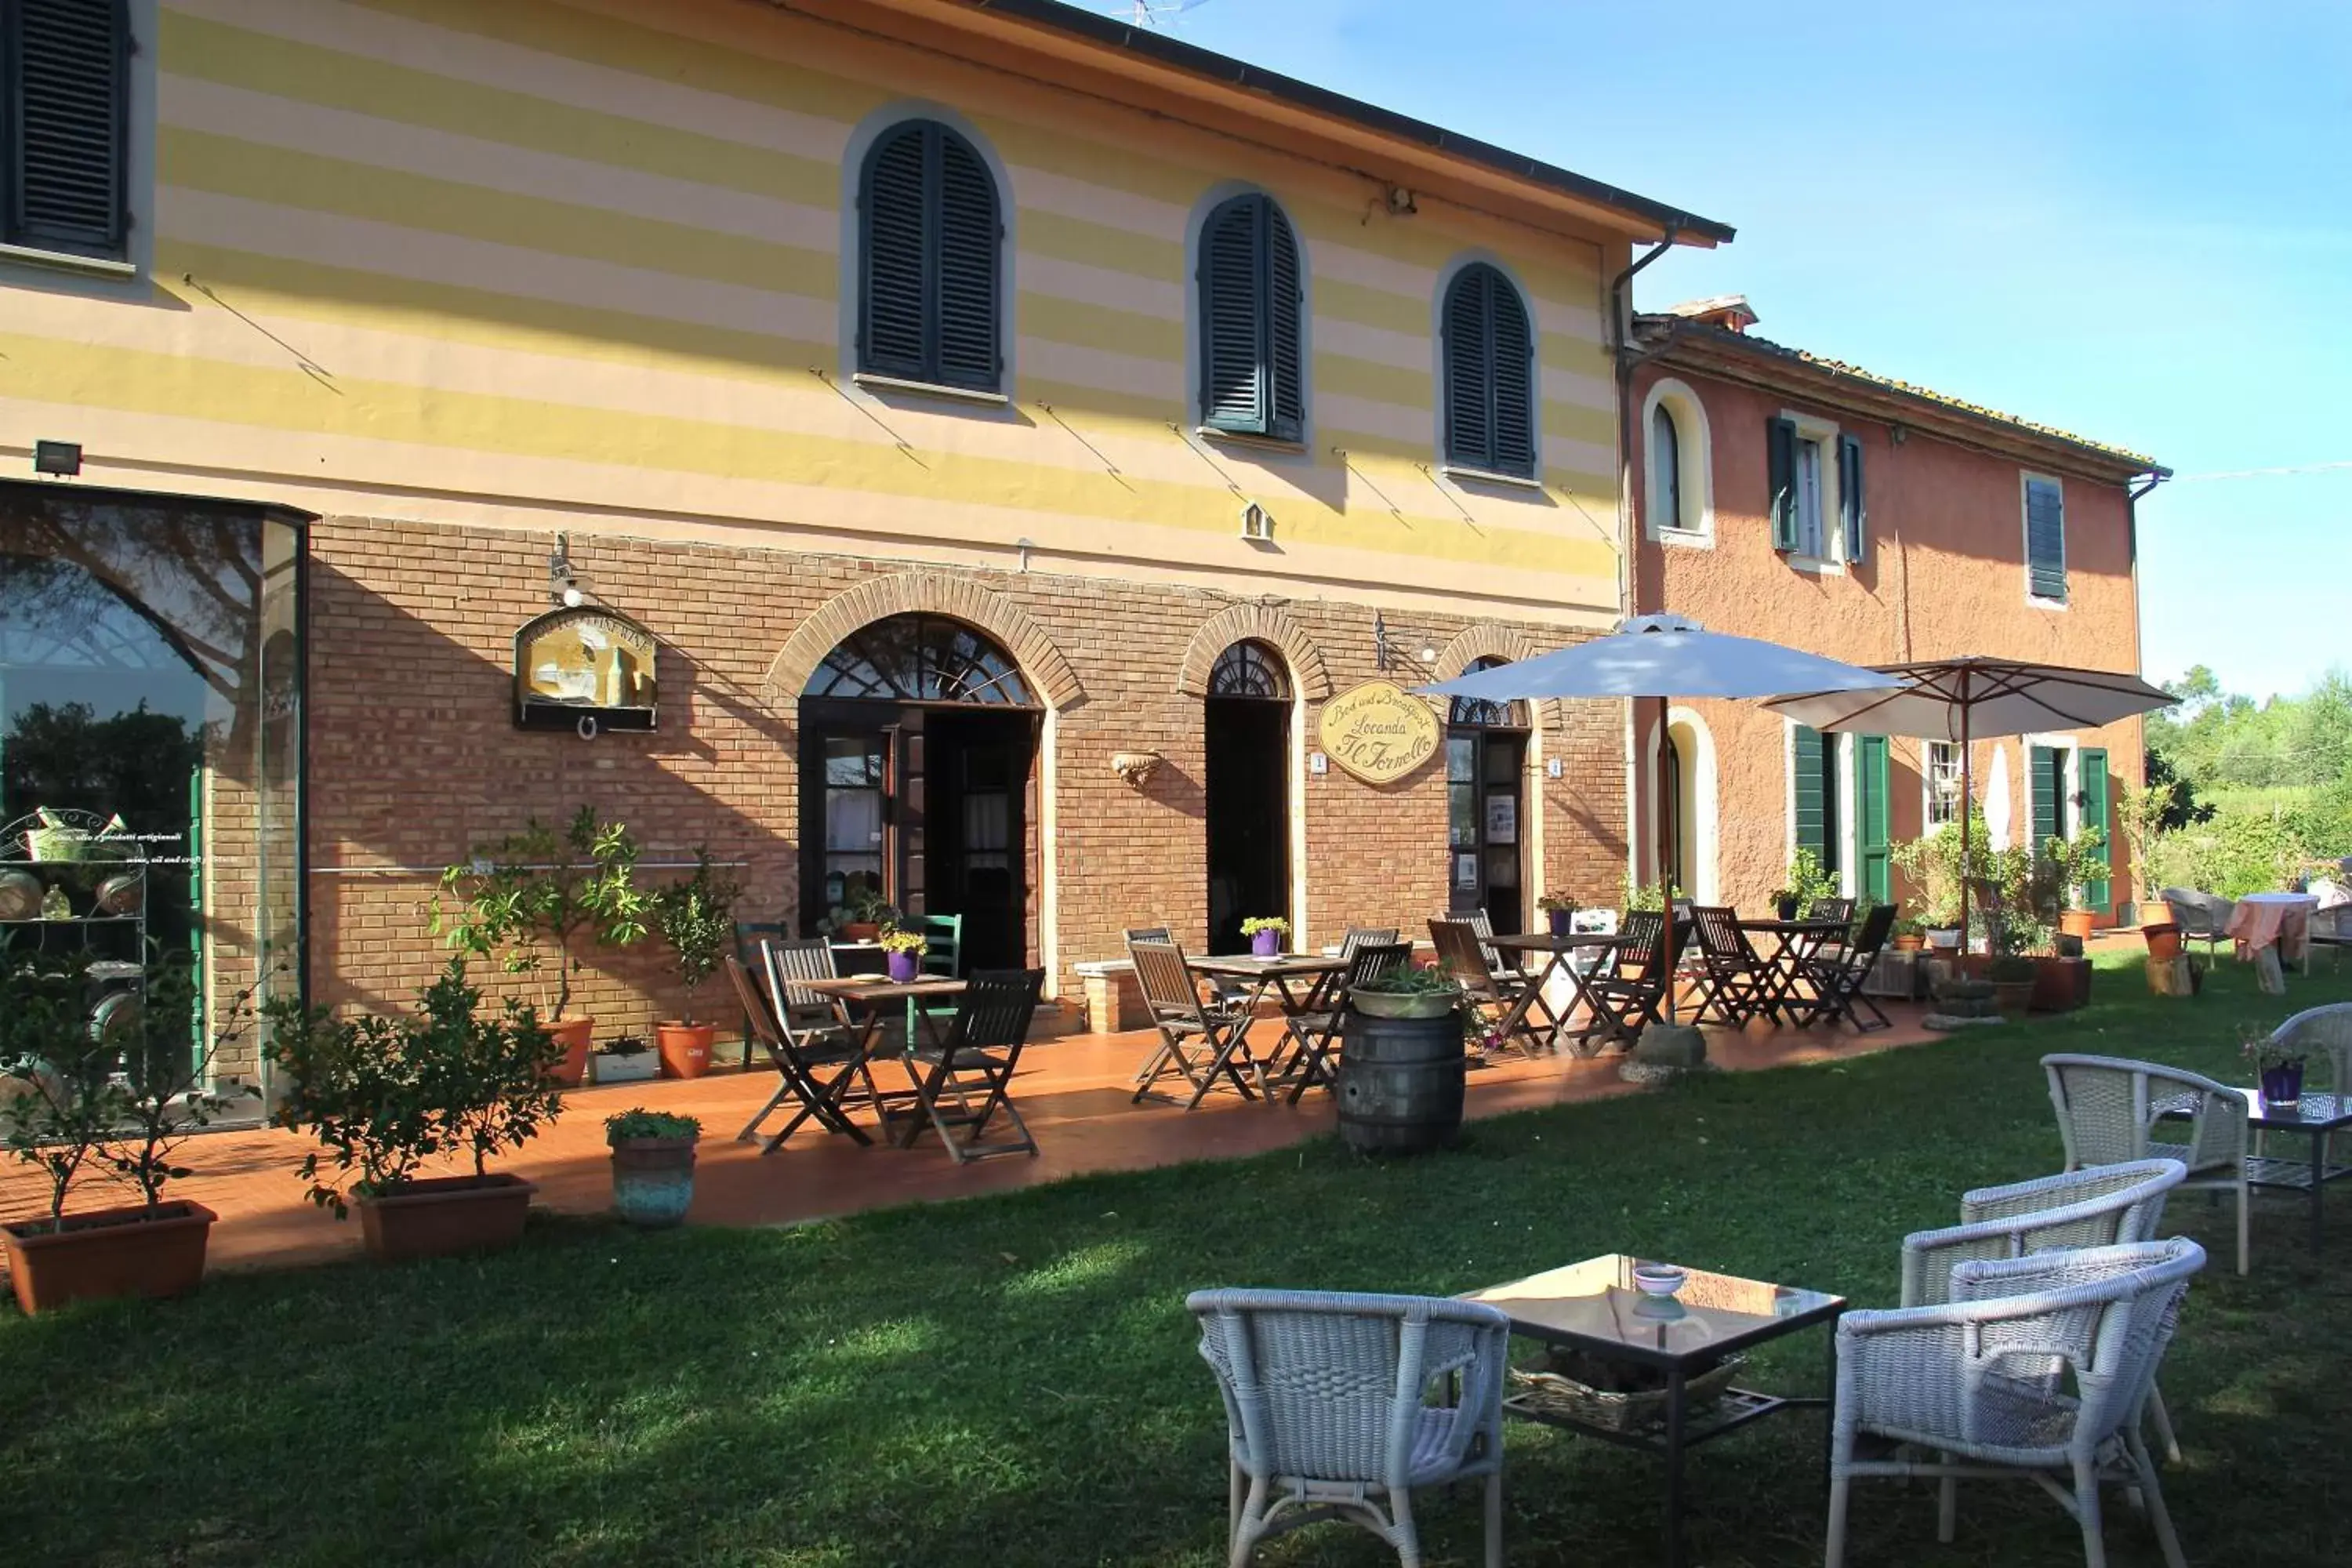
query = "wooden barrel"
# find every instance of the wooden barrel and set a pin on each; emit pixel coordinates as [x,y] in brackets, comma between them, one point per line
[1399,1083]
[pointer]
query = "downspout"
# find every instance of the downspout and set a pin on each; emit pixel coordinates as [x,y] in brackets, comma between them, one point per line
[2131,525]
[1620,323]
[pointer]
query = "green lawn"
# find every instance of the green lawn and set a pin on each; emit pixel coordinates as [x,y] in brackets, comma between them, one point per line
[1012,1379]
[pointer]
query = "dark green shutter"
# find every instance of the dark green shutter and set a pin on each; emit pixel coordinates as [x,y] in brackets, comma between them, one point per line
[1489,374]
[1286,293]
[1252,304]
[2092,762]
[1780,441]
[1807,772]
[2045,769]
[1515,380]
[1852,515]
[930,235]
[2045,539]
[1875,838]
[64,123]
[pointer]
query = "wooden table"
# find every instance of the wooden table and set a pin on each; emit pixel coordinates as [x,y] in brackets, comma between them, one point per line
[875,991]
[1274,976]
[1797,945]
[1558,949]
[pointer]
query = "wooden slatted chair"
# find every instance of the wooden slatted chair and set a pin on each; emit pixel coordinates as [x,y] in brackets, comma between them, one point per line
[749,935]
[1200,1041]
[1626,993]
[1840,978]
[815,1062]
[1504,1003]
[1317,1032]
[1732,983]
[973,1067]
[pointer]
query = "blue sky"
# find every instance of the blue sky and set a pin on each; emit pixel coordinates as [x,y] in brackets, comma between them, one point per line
[2133,221]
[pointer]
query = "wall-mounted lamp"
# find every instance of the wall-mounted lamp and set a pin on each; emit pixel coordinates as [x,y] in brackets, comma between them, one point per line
[1135,767]
[1401,202]
[562,580]
[62,458]
[1384,650]
[1024,546]
[1428,654]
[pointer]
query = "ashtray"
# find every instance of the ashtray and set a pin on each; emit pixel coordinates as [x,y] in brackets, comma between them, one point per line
[1659,1282]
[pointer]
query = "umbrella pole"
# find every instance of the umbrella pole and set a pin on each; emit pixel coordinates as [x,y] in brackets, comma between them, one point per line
[1967,796]
[1666,855]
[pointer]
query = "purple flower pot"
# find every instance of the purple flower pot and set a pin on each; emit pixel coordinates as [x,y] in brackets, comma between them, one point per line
[1267,944]
[904,966]
[1563,921]
[2282,1085]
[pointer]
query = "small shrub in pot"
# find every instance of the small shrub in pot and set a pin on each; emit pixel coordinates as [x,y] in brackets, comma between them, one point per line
[695,920]
[653,1165]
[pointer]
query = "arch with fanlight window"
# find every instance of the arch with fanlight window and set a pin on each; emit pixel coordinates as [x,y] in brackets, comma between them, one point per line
[1677,469]
[1246,786]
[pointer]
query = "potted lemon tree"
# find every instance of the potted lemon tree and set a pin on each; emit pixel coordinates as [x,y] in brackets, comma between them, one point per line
[695,920]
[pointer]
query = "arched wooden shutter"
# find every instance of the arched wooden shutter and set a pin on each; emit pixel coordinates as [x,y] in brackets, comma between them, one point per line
[1253,378]
[931,234]
[1489,374]
[64,79]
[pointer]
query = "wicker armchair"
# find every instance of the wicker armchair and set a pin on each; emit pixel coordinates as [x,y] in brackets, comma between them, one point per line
[2107,1106]
[1947,1378]
[2202,916]
[2324,1032]
[1327,1403]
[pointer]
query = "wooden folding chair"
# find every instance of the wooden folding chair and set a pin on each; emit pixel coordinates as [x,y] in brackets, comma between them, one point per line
[749,935]
[1732,980]
[975,1064]
[1501,964]
[1316,1032]
[802,1053]
[1840,981]
[1624,993]
[1198,1040]
[1504,1003]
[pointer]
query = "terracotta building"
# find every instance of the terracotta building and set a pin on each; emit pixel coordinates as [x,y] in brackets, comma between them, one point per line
[1809,502]
[964,449]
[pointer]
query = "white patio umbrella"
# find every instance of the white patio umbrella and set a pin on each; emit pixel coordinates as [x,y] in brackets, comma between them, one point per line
[1975,697]
[1667,657]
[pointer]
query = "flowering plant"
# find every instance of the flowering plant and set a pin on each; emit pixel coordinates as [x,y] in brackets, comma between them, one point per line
[1257,923]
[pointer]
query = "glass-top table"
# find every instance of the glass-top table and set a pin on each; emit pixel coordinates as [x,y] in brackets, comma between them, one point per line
[2316,1115]
[1593,1307]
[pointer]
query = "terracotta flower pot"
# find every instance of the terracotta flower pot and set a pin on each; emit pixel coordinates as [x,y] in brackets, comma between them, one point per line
[2013,997]
[1910,943]
[2163,940]
[861,931]
[108,1253]
[576,1034]
[653,1179]
[445,1214]
[2061,985]
[2079,924]
[685,1047]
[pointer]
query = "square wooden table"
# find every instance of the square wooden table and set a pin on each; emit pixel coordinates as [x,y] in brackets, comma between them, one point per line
[1275,976]
[875,991]
[1558,949]
[1593,1307]
[1797,946]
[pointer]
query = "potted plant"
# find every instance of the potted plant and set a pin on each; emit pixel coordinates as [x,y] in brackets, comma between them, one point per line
[541,895]
[903,953]
[1909,935]
[384,1096]
[1265,933]
[695,918]
[624,1058]
[653,1165]
[1931,863]
[860,918]
[1808,880]
[2012,977]
[121,1098]
[2278,1067]
[1407,991]
[1560,911]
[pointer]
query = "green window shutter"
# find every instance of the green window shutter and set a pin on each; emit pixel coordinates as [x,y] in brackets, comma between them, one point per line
[1285,350]
[1489,374]
[1806,775]
[65,123]
[2092,763]
[1780,442]
[1876,846]
[1851,516]
[2045,539]
[2046,772]
[929,241]
[971,237]
[891,338]
[1233,373]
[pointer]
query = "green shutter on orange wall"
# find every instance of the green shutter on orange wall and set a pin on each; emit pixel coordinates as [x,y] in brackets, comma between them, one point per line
[2092,762]
[1873,842]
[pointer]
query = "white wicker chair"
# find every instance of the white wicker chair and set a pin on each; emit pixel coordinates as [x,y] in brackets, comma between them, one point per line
[1326,1399]
[2107,1106]
[2324,1032]
[1969,1381]
[2106,1205]
[2202,916]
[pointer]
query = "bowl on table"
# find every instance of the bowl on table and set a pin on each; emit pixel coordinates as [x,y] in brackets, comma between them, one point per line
[1658,1284]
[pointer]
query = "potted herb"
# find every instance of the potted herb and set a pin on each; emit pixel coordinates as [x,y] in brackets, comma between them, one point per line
[695,918]
[1559,909]
[541,895]
[1808,880]
[384,1096]
[626,1059]
[1265,933]
[653,1165]
[1909,935]
[2278,1067]
[1409,992]
[903,953]
[860,918]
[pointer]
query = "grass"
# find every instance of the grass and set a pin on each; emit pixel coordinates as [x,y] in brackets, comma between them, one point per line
[1012,1379]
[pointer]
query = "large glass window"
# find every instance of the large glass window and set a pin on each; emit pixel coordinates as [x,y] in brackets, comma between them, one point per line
[151,740]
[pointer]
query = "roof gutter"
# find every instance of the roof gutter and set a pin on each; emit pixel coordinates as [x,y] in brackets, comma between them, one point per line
[1620,325]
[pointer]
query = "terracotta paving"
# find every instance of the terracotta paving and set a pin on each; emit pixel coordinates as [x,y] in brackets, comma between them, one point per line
[1073,1091]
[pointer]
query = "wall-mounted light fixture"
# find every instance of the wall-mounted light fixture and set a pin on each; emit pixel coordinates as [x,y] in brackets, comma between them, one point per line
[1401,202]
[62,458]
[563,581]
[1135,767]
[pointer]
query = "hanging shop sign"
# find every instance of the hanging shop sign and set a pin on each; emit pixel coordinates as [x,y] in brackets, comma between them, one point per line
[585,669]
[1379,731]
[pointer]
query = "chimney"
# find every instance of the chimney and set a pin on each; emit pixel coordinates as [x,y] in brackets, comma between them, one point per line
[1729,311]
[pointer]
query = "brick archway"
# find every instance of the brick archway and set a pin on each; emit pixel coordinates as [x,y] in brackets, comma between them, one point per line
[1260,623]
[1492,639]
[1042,661]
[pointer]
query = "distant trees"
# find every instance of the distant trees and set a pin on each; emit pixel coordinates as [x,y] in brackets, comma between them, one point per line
[2219,739]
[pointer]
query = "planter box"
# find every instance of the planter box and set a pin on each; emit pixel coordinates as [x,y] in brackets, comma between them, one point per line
[1899,976]
[443,1214]
[612,1066]
[108,1253]
[2061,985]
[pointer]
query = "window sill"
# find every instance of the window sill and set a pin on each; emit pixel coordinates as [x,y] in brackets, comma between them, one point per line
[1684,538]
[1256,442]
[1459,474]
[931,389]
[2041,601]
[1814,565]
[67,261]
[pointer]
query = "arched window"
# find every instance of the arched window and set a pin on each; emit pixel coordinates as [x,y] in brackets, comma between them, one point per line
[1252,302]
[1251,670]
[1477,713]
[928,286]
[1489,374]
[921,659]
[1666,470]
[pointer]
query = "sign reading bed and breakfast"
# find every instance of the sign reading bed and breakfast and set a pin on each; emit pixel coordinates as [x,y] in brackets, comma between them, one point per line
[1379,731]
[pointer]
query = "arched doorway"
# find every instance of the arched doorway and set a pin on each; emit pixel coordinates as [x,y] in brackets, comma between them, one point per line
[1486,767]
[917,737]
[1246,735]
